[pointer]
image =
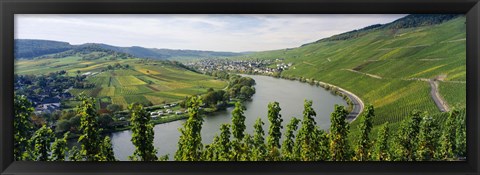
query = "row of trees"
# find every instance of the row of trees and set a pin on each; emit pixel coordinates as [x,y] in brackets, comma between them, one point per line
[419,137]
[37,145]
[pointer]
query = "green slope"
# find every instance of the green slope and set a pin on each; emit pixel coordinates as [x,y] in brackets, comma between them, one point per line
[381,64]
[144,81]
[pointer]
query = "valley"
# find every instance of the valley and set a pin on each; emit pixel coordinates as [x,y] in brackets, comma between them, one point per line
[399,73]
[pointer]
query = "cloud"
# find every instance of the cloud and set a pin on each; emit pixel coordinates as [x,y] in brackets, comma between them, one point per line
[199,32]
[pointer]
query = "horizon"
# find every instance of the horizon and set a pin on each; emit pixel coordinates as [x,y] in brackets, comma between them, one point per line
[219,33]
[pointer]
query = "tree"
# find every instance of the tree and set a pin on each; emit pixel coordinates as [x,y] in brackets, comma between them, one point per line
[190,142]
[461,137]
[41,144]
[62,126]
[238,121]
[107,150]
[382,151]
[307,147]
[289,143]
[59,148]
[407,137]
[238,131]
[447,140]
[90,138]
[75,154]
[362,152]
[259,149]
[142,134]
[224,143]
[427,139]
[339,149]
[114,108]
[322,141]
[22,125]
[274,133]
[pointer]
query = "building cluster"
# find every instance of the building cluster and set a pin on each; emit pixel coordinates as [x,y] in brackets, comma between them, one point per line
[244,66]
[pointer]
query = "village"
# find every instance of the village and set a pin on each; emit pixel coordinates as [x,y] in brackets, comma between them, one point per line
[241,66]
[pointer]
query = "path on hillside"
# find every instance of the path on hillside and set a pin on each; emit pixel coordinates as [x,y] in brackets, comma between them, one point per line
[367,74]
[358,104]
[439,101]
[435,92]
[308,63]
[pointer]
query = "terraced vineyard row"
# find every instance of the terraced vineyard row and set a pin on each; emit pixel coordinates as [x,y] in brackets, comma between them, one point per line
[454,94]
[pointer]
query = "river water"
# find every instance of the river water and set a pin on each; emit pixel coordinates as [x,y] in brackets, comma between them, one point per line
[290,95]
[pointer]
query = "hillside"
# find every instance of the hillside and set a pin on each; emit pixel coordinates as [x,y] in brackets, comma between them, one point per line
[28,49]
[389,65]
[120,79]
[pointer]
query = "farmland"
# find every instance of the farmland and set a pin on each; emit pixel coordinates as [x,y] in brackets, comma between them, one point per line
[144,81]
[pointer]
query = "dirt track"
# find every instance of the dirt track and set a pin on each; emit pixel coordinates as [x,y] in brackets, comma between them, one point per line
[439,101]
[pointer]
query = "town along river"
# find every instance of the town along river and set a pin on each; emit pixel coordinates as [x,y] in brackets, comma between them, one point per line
[290,95]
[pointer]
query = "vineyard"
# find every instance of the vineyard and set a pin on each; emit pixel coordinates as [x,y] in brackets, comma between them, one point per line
[154,82]
[395,58]
[454,94]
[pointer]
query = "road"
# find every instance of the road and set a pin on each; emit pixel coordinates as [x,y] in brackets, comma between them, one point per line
[358,104]
[442,106]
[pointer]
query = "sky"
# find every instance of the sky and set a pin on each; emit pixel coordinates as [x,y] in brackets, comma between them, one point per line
[213,32]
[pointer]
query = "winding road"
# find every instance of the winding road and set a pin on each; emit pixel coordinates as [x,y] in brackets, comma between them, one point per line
[358,104]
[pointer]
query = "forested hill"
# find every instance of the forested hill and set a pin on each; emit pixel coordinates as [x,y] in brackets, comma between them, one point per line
[167,53]
[29,48]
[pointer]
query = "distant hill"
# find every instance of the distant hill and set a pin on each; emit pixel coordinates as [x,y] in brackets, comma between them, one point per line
[29,48]
[167,53]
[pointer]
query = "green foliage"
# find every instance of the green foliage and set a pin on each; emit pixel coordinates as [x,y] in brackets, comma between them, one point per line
[259,149]
[427,139]
[238,121]
[289,143]
[74,154]
[41,141]
[27,48]
[107,150]
[306,144]
[190,142]
[224,144]
[363,146]
[461,137]
[447,140]
[339,148]
[322,140]
[60,148]
[90,138]
[22,125]
[274,133]
[114,108]
[246,148]
[407,137]
[382,151]
[142,134]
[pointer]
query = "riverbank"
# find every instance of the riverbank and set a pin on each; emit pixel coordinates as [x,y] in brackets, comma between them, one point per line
[357,103]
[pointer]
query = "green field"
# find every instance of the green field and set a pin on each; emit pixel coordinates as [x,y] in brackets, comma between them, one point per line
[157,82]
[392,58]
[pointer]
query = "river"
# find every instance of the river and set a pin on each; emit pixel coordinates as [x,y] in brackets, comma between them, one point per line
[290,94]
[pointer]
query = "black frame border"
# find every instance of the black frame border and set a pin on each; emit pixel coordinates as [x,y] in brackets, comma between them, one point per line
[10,7]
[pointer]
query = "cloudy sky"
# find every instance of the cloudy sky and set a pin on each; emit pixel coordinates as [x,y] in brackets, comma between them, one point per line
[235,33]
